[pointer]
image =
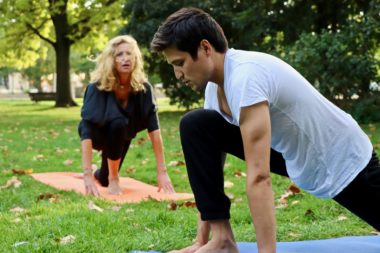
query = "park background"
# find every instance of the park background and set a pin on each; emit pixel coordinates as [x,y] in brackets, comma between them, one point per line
[47,46]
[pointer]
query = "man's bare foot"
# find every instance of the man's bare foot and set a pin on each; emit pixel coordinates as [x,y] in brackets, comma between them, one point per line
[189,249]
[214,246]
[114,187]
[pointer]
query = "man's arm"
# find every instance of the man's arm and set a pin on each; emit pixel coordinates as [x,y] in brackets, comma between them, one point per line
[256,133]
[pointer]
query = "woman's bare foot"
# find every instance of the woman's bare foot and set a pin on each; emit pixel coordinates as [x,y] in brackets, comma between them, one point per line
[215,246]
[189,249]
[114,187]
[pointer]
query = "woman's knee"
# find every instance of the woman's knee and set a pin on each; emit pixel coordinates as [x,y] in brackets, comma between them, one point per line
[117,125]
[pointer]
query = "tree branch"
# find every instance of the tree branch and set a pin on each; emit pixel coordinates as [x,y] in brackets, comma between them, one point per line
[79,33]
[37,32]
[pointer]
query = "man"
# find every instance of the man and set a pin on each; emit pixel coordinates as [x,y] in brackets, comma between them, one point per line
[260,109]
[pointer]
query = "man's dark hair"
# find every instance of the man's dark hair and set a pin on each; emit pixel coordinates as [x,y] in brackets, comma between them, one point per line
[185,29]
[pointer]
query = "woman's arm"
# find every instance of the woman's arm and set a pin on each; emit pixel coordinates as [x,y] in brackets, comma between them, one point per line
[163,179]
[88,178]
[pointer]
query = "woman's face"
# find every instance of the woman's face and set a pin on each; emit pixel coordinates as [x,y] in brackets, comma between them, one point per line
[124,59]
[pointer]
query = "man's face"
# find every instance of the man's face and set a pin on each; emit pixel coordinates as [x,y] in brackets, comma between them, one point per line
[193,73]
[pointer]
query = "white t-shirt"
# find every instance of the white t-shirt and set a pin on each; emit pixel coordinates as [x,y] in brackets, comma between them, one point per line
[324,148]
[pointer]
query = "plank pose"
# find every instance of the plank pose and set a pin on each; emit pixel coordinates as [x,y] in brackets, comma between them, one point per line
[117,105]
[260,109]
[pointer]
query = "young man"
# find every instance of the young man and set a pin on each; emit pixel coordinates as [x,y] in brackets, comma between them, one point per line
[260,109]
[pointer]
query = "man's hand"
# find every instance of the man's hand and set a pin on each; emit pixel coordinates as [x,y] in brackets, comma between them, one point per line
[164,182]
[89,185]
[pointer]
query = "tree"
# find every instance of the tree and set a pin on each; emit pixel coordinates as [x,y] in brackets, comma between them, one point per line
[60,23]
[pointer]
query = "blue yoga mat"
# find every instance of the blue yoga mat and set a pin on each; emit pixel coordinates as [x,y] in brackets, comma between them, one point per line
[350,244]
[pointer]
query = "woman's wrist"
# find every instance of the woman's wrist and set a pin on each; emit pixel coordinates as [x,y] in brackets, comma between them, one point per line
[161,168]
[87,172]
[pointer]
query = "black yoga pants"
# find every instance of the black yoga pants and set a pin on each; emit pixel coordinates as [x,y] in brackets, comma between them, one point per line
[206,138]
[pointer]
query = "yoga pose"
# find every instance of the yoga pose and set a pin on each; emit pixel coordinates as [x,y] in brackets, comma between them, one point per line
[117,104]
[262,110]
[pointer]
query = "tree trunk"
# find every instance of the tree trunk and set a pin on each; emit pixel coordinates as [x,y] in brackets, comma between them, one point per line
[64,97]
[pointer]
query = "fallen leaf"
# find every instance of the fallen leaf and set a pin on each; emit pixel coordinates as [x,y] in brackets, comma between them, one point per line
[68,162]
[294,189]
[239,174]
[295,202]
[5,172]
[59,151]
[21,172]
[228,184]
[283,201]
[20,243]
[172,206]
[51,197]
[230,196]
[176,163]
[130,170]
[54,133]
[309,212]
[38,157]
[141,140]
[116,208]
[92,206]
[66,240]
[17,220]
[189,204]
[291,234]
[17,210]
[12,182]
[342,218]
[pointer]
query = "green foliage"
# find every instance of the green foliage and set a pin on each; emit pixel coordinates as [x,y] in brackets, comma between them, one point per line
[332,43]
[342,64]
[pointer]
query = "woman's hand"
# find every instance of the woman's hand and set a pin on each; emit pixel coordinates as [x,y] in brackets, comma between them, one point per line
[89,185]
[164,182]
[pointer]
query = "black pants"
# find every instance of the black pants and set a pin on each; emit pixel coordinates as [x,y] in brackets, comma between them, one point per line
[206,137]
[112,142]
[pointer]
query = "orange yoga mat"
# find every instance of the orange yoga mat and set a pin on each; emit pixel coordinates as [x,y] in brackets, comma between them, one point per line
[133,190]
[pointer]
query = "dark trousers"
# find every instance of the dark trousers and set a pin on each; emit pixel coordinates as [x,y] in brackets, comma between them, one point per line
[112,142]
[206,137]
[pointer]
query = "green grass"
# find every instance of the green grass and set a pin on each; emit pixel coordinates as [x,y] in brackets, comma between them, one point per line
[42,138]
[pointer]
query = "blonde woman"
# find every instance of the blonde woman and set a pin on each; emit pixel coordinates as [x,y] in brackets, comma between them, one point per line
[117,104]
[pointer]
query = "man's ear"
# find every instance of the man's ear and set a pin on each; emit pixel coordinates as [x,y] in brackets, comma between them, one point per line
[206,46]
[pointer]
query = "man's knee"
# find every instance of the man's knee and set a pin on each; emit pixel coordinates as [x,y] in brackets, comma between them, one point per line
[198,119]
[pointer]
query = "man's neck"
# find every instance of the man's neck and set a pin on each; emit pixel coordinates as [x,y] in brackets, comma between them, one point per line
[219,69]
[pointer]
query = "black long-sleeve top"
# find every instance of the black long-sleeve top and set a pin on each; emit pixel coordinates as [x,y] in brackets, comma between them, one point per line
[101,107]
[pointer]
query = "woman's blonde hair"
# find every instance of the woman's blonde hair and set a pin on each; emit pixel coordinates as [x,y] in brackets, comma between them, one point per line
[105,73]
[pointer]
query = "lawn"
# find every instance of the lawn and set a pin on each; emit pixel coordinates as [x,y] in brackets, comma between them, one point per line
[37,218]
